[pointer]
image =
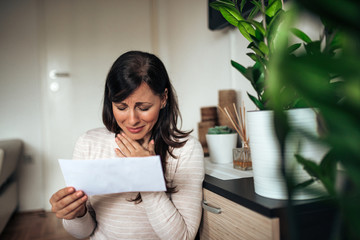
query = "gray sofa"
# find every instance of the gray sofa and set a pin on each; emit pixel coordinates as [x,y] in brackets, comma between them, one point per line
[11,152]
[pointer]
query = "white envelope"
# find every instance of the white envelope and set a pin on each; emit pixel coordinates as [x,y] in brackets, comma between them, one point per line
[116,175]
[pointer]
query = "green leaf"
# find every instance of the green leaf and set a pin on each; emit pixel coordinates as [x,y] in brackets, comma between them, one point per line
[232,15]
[298,103]
[259,35]
[244,71]
[258,26]
[258,52]
[304,184]
[263,48]
[316,171]
[253,56]
[293,47]
[273,29]
[244,32]
[254,12]
[257,103]
[300,34]
[242,4]
[273,8]
[238,66]
[336,42]
[313,48]
[248,27]
[309,166]
[328,165]
[221,3]
[257,4]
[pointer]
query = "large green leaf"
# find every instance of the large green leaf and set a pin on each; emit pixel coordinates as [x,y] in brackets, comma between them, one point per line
[254,12]
[273,7]
[328,165]
[221,3]
[256,49]
[247,73]
[257,4]
[300,34]
[253,56]
[256,101]
[258,26]
[232,15]
[336,42]
[260,45]
[238,66]
[249,28]
[273,31]
[264,49]
[242,4]
[244,32]
[293,47]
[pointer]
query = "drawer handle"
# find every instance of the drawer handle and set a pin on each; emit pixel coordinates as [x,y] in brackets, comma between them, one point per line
[210,209]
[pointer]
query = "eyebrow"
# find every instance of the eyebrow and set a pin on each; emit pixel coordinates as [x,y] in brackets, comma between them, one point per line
[136,104]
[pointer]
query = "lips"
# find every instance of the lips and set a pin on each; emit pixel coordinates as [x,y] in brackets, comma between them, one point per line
[135,130]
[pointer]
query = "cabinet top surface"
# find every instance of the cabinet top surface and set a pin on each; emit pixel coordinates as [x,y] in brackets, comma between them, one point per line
[242,191]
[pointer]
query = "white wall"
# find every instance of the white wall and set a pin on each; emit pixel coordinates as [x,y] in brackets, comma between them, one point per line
[198,60]
[83,38]
[20,93]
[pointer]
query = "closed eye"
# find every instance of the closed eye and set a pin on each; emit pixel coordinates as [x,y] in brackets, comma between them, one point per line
[121,108]
[144,108]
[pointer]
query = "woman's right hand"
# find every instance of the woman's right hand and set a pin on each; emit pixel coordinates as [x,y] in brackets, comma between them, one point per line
[68,203]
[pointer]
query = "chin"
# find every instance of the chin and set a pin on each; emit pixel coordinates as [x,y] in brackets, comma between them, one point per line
[135,136]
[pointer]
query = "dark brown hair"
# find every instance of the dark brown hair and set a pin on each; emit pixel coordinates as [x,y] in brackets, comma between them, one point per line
[127,73]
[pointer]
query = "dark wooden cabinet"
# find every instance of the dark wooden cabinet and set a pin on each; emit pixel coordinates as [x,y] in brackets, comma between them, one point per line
[232,210]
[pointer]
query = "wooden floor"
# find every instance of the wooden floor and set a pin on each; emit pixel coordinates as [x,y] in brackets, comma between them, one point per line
[38,225]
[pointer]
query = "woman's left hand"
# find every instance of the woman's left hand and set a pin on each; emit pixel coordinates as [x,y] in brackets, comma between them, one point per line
[131,148]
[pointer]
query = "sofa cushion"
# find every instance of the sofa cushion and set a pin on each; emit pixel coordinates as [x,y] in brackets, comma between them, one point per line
[12,152]
[1,157]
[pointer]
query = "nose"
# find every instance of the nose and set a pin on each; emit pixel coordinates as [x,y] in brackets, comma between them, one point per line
[133,118]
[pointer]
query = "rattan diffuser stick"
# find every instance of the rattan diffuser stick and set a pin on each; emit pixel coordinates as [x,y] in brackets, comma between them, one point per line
[238,122]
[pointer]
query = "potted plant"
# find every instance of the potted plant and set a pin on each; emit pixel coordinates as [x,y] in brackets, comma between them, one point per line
[328,79]
[263,36]
[221,141]
[260,34]
[338,104]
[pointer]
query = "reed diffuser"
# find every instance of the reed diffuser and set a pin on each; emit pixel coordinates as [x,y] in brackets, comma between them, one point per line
[241,156]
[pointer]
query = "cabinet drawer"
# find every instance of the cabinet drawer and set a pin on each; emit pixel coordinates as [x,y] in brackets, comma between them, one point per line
[228,220]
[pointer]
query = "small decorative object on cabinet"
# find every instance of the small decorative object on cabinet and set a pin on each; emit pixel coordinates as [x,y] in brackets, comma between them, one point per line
[241,156]
[221,141]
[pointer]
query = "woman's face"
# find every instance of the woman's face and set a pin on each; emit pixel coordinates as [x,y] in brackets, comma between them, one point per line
[139,112]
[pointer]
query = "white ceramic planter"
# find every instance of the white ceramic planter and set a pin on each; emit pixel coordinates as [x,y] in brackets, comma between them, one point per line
[221,147]
[265,153]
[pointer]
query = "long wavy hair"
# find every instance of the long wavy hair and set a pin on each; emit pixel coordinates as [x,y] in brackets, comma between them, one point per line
[127,73]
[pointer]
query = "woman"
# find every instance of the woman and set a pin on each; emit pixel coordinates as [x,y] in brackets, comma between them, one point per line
[140,113]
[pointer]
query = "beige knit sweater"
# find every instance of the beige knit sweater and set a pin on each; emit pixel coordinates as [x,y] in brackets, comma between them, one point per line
[159,215]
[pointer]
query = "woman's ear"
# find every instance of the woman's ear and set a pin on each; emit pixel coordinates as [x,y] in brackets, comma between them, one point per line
[164,98]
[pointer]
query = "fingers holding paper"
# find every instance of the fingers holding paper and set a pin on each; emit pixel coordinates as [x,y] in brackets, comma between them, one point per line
[131,148]
[67,203]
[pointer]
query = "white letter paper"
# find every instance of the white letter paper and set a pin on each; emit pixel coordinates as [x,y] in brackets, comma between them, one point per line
[106,176]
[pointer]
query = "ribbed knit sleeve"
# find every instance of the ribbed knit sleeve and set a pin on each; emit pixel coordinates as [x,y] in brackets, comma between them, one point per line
[81,227]
[179,217]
